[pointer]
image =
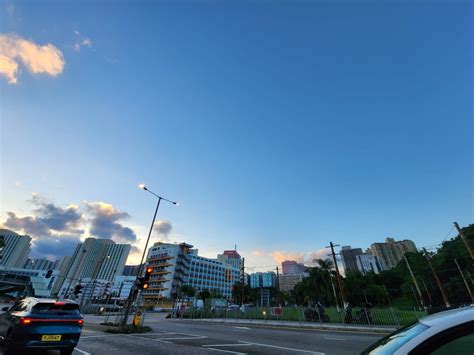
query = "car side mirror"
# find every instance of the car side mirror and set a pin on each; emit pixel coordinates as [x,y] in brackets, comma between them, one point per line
[5,309]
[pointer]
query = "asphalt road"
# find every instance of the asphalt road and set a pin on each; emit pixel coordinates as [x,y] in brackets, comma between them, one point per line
[173,336]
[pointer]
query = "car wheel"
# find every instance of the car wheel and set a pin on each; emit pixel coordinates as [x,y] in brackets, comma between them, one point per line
[67,351]
[6,343]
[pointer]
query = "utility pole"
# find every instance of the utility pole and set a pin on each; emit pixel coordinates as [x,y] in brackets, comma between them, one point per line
[278,280]
[426,290]
[445,298]
[339,279]
[243,280]
[414,280]
[416,298]
[465,282]
[464,239]
[388,295]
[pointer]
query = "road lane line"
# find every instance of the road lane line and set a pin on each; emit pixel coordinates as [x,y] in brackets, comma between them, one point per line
[330,338]
[227,351]
[283,348]
[217,345]
[82,351]
[246,328]
[185,338]
[101,336]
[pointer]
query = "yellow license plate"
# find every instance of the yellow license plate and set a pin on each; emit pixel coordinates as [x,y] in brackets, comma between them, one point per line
[51,338]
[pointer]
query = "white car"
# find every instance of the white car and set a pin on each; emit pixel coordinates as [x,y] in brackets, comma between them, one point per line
[450,332]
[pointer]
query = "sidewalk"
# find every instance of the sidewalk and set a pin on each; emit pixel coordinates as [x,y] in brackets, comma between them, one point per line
[301,325]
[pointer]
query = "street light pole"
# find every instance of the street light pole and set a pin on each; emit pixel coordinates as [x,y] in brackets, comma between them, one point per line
[133,291]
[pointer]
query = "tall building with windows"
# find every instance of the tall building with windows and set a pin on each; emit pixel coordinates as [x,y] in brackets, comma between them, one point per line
[367,262]
[114,261]
[232,258]
[349,258]
[215,275]
[94,259]
[170,263]
[291,267]
[15,250]
[391,252]
[263,279]
[41,264]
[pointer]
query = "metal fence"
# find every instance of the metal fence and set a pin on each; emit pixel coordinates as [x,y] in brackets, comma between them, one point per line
[374,316]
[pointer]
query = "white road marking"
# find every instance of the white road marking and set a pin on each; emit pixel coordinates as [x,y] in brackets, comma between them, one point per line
[82,351]
[330,338]
[217,345]
[185,338]
[246,328]
[100,336]
[283,348]
[227,351]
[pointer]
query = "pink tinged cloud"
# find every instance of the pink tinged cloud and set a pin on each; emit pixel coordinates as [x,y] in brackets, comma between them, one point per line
[9,69]
[38,59]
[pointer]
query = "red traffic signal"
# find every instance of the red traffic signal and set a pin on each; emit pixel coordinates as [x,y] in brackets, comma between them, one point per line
[148,272]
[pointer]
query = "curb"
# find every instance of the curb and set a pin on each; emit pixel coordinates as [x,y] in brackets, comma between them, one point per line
[309,326]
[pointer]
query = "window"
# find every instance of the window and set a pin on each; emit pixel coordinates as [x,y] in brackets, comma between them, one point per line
[459,346]
[19,307]
[457,340]
[56,308]
[394,341]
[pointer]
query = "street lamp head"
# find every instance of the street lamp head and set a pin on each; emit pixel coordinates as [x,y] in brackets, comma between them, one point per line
[142,186]
[176,203]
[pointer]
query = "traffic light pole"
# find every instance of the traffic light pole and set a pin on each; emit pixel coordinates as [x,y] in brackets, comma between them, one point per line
[134,290]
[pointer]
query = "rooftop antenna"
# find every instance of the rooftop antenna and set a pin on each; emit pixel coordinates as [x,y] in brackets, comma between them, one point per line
[235,247]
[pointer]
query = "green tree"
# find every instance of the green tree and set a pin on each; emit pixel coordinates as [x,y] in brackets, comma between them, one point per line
[188,291]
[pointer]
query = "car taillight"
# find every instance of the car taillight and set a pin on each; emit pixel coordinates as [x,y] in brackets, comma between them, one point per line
[25,321]
[80,321]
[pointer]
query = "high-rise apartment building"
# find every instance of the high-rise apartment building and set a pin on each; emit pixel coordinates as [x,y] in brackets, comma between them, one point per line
[15,250]
[349,258]
[131,270]
[114,261]
[368,263]
[41,264]
[94,259]
[218,275]
[231,257]
[391,252]
[263,279]
[291,267]
[288,282]
[170,263]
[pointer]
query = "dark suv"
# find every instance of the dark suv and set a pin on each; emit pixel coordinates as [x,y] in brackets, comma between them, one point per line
[34,323]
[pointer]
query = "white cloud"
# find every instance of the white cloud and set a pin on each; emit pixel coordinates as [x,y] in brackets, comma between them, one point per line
[9,69]
[278,256]
[38,59]
[81,42]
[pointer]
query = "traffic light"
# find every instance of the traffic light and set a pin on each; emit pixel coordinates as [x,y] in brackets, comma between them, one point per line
[49,273]
[144,284]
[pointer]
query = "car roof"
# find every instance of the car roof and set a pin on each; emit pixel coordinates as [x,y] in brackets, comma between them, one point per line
[453,316]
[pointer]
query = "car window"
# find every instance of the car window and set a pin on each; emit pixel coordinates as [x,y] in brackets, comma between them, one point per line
[19,307]
[56,308]
[394,341]
[461,346]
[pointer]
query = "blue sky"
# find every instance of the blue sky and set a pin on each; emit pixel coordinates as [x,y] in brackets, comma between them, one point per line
[279,126]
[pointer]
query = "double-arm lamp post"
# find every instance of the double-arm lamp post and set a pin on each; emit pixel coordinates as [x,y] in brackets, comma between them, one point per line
[131,296]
